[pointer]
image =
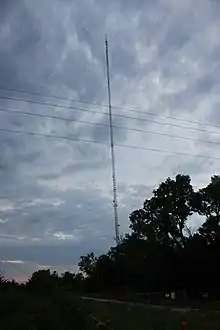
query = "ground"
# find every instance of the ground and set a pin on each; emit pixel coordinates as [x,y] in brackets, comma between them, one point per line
[23,311]
[119,316]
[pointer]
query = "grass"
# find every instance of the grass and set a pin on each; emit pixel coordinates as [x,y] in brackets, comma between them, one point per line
[120,317]
[158,300]
[22,311]
[62,310]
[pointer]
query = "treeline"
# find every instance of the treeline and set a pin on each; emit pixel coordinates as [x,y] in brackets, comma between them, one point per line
[43,303]
[160,254]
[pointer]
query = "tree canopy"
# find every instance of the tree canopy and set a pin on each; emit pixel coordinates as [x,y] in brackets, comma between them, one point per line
[160,253]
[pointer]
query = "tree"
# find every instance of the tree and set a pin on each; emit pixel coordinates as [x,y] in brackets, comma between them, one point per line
[163,217]
[68,280]
[87,263]
[71,281]
[43,280]
[207,203]
[3,282]
[161,254]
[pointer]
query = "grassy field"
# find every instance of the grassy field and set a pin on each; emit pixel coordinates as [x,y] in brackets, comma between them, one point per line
[120,317]
[21,311]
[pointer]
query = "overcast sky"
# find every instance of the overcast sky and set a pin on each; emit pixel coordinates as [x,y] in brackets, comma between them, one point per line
[56,195]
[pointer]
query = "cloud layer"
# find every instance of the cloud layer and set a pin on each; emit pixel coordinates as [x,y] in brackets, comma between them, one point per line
[56,195]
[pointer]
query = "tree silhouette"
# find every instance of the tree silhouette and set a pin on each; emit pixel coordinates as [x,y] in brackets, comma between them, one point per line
[163,217]
[161,254]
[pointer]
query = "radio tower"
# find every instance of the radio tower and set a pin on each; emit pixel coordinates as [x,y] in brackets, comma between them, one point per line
[114,185]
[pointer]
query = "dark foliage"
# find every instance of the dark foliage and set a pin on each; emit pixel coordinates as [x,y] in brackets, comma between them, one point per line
[160,254]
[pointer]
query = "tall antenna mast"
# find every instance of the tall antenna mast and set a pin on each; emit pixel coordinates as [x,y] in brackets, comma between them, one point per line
[114,185]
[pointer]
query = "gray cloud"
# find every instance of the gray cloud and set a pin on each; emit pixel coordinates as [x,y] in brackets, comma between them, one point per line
[56,199]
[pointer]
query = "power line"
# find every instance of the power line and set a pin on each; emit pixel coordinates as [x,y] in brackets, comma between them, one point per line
[107,144]
[13,265]
[34,114]
[53,96]
[106,114]
[106,106]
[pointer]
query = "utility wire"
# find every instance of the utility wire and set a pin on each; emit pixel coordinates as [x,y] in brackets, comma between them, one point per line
[107,144]
[53,96]
[27,113]
[106,106]
[105,113]
[15,267]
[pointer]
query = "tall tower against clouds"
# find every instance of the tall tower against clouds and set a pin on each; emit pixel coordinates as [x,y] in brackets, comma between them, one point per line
[114,183]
